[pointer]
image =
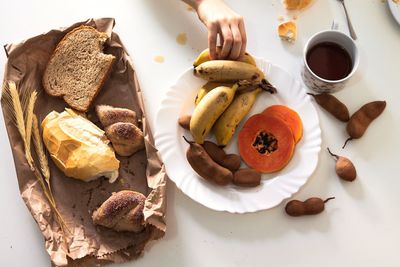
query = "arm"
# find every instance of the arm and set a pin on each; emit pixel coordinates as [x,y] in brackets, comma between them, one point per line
[223,21]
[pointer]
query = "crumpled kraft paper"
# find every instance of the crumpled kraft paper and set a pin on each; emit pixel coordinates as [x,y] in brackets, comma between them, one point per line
[86,244]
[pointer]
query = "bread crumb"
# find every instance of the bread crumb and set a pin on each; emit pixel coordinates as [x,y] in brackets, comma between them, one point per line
[288,31]
[281,18]
[159,59]
[181,38]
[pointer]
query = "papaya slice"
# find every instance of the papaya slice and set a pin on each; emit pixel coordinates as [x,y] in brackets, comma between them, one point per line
[289,116]
[266,143]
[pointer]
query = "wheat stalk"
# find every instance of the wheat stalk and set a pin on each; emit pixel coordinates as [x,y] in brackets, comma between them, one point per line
[41,154]
[13,102]
[18,115]
[29,119]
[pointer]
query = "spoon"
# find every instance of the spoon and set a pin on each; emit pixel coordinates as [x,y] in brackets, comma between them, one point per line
[351,29]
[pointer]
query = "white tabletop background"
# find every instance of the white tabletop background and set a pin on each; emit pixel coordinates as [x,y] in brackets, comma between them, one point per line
[359,228]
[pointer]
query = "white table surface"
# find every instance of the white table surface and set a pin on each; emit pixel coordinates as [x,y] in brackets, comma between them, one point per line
[359,228]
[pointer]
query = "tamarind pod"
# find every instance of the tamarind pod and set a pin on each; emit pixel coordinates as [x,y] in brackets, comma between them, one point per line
[333,105]
[247,178]
[204,166]
[229,161]
[295,208]
[184,121]
[344,167]
[362,118]
[311,206]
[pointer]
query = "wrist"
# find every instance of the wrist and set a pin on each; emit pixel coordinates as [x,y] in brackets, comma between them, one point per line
[198,3]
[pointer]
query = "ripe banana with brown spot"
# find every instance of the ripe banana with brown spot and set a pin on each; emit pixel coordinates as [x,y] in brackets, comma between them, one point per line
[207,88]
[225,126]
[209,109]
[205,56]
[228,71]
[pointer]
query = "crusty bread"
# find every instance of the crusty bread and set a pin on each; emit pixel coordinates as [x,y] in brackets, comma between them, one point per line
[78,67]
[123,211]
[78,147]
[109,115]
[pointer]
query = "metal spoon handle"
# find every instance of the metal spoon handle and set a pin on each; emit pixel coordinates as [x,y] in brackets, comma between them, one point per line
[351,29]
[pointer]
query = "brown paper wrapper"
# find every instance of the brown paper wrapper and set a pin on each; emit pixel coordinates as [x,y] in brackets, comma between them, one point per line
[86,244]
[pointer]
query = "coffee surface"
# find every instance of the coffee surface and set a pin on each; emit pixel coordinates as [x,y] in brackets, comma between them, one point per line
[329,61]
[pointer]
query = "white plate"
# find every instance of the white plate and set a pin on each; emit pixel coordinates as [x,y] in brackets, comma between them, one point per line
[395,9]
[275,187]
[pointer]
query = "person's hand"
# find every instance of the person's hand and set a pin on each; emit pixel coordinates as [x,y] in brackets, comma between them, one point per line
[223,21]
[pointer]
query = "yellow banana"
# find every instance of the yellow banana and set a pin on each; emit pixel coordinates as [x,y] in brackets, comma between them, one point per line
[205,56]
[209,109]
[228,71]
[225,126]
[207,88]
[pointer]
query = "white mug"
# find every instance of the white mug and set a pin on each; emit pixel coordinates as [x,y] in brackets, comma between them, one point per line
[320,84]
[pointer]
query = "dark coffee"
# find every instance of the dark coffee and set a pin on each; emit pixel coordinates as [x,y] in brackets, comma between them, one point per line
[329,61]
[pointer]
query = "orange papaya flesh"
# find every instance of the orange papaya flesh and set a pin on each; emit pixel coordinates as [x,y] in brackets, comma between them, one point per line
[266,143]
[289,116]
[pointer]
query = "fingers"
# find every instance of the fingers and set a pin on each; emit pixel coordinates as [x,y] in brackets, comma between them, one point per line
[227,40]
[233,39]
[212,40]
[237,42]
[244,38]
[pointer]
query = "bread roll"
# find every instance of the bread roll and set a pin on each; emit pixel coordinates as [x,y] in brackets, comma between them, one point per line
[123,211]
[109,115]
[120,128]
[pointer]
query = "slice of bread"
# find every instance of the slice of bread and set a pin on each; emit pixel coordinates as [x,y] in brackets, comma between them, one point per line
[78,68]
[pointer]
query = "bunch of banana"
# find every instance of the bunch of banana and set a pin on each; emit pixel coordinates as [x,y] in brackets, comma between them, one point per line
[209,109]
[217,103]
[205,56]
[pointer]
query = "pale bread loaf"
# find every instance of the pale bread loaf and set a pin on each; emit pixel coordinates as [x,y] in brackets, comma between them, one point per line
[78,147]
[78,68]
